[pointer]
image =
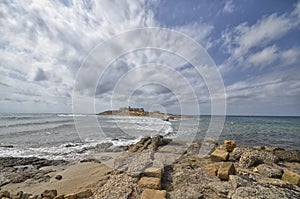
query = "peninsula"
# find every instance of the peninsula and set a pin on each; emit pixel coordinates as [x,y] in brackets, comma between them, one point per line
[130,111]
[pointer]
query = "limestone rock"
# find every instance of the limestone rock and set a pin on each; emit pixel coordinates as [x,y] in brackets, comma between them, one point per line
[118,186]
[238,152]
[291,177]
[261,191]
[212,169]
[49,194]
[239,181]
[153,172]
[255,157]
[269,171]
[229,145]
[149,182]
[219,155]
[152,193]
[272,148]
[288,155]
[149,144]
[226,169]
[220,188]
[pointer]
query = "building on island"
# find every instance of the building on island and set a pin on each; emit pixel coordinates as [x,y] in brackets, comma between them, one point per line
[132,109]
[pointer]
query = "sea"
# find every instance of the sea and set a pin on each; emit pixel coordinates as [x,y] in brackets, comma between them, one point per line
[75,136]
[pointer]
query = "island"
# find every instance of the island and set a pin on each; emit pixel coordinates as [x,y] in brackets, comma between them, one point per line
[130,111]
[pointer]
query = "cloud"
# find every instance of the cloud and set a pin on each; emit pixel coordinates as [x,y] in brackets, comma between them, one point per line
[228,7]
[264,57]
[40,75]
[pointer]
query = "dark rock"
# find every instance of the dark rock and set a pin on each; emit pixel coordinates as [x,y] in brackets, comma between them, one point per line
[36,162]
[104,146]
[58,177]
[149,144]
[7,146]
[288,155]
[238,152]
[90,160]
[49,194]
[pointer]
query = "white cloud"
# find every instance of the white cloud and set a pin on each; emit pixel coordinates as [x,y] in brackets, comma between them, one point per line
[263,58]
[228,7]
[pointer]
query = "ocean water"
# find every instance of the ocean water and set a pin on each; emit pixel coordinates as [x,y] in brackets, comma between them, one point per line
[55,136]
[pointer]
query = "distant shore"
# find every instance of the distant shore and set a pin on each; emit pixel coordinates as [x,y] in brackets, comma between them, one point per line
[139,112]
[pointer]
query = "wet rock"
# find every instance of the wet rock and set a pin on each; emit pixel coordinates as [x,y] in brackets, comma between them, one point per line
[149,144]
[103,146]
[225,169]
[288,155]
[36,162]
[90,160]
[269,171]
[291,177]
[152,193]
[219,155]
[255,157]
[229,145]
[49,194]
[149,182]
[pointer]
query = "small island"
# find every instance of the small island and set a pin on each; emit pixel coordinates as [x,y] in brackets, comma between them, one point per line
[130,111]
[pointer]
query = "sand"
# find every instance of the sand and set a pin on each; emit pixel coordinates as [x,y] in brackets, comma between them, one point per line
[76,177]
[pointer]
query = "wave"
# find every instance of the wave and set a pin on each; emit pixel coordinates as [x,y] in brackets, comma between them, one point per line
[73,115]
[36,123]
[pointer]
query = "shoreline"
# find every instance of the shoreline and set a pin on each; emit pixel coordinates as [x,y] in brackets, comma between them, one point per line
[180,165]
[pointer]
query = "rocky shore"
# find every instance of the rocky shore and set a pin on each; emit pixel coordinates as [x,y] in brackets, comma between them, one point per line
[158,168]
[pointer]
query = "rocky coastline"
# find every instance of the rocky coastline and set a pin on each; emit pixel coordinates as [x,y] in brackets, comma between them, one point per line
[158,168]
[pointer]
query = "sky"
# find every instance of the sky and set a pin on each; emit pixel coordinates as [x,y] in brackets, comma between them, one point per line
[254,45]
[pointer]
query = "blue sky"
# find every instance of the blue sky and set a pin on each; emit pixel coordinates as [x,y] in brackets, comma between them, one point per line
[255,45]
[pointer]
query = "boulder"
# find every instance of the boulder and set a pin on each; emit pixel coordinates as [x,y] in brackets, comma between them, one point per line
[238,152]
[255,157]
[288,155]
[153,172]
[149,182]
[49,194]
[212,169]
[291,177]
[149,144]
[58,177]
[219,155]
[229,145]
[226,169]
[269,171]
[152,193]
